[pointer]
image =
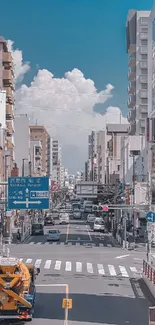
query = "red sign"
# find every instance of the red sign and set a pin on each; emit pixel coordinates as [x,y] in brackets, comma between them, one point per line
[105,208]
[54,187]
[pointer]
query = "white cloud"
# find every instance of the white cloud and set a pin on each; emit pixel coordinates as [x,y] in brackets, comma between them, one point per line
[65,106]
[20,67]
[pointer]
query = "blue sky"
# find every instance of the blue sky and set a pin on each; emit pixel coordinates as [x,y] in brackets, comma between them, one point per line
[60,35]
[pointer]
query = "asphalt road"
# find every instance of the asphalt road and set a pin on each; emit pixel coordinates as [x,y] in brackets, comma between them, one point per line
[102,279]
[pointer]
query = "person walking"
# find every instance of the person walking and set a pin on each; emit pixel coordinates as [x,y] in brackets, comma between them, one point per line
[18,236]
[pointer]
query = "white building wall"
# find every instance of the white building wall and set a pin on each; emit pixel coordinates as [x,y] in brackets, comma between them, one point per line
[3,109]
[22,143]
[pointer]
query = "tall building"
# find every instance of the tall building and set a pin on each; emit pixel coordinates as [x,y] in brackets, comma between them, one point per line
[39,133]
[92,156]
[56,161]
[22,144]
[7,84]
[2,134]
[137,49]
[36,158]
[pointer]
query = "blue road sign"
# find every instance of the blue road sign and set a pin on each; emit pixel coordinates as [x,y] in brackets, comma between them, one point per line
[150,216]
[28,193]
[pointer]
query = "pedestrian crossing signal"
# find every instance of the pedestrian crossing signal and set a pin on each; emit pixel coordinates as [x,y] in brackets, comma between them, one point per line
[67,303]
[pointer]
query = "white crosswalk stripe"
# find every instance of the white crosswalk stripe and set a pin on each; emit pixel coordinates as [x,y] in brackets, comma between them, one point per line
[39,243]
[78,267]
[89,268]
[57,265]
[123,271]
[100,269]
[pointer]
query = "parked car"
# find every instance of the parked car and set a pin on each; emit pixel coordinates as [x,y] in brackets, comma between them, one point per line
[99,225]
[37,229]
[64,218]
[53,235]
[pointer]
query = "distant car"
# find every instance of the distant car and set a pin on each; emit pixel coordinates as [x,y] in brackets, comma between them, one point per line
[91,218]
[53,235]
[49,221]
[99,225]
[37,229]
[77,215]
[64,218]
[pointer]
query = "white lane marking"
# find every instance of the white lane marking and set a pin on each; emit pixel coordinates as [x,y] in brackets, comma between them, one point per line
[57,265]
[21,259]
[122,256]
[100,269]
[47,264]
[78,267]
[37,263]
[31,243]
[51,285]
[133,269]
[68,266]
[123,271]
[29,260]
[112,270]
[46,243]
[89,268]
[109,245]
[90,237]
[39,243]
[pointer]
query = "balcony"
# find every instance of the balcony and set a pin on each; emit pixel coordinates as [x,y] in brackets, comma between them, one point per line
[142,123]
[7,58]
[10,143]
[131,115]
[143,93]
[7,77]
[143,64]
[37,163]
[9,112]
[9,128]
[144,36]
[132,88]
[132,61]
[132,101]
[132,75]
[144,49]
[9,95]
[143,79]
[132,48]
[132,129]
[143,109]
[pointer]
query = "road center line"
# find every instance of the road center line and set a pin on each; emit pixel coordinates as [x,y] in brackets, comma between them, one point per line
[67,233]
[90,237]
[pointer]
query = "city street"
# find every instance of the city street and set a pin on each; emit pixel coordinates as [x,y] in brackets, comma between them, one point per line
[95,277]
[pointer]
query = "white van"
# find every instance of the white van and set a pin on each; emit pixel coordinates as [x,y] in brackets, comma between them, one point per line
[99,225]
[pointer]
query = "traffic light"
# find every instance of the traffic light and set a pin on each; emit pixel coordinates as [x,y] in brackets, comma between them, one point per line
[95,208]
[100,208]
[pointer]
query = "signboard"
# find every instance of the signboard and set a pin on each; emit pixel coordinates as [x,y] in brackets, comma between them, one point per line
[28,193]
[67,303]
[150,216]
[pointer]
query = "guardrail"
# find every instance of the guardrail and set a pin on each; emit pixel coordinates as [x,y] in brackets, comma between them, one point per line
[148,276]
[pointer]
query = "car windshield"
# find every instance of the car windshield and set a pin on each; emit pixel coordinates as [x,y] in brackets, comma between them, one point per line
[37,226]
[53,231]
[99,222]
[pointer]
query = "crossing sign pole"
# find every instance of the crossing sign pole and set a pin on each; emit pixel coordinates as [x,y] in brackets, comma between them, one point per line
[150,217]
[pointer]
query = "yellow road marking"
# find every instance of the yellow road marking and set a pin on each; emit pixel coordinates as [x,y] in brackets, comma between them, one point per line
[67,232]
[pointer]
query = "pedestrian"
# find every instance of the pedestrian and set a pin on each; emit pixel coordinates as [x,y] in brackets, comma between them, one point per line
[18,235]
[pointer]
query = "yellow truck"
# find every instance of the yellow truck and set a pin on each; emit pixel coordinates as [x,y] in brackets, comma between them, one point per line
[17,289]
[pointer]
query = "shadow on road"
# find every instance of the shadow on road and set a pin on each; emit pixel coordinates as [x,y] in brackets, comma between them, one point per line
[101,309]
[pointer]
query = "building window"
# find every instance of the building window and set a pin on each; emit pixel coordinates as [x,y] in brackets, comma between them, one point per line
[143,71]
[144,86]
[144,42]
[144,29]
[143,100]
[118,168]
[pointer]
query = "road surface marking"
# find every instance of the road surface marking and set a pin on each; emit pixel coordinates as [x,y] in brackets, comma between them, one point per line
[29,260]
[39,243]
[112,270]
[109,245]
[101,245]
[138,259]
[57,265]
[47,264]
[67,232]
[21,259]
[68,266]
[100,269]
[46,243]
[90,237]
[123,271]
[133,269]
[31,243]
[122,256]
[89,268]
[51,285]
[78,267]
[37,263]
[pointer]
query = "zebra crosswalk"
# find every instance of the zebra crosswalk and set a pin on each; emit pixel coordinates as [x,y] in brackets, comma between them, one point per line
[84,268]
[71,243]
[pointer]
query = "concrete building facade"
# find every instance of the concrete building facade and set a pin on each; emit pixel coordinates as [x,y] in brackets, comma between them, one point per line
[56,162]
[7,84]
[137,49]
[22,144]
[36,157]
[92,156]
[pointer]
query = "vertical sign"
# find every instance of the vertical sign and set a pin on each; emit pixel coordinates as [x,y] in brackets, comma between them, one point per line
[151,315]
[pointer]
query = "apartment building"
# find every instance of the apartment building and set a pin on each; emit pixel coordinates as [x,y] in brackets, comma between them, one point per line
[39,133]
[36,158]
[7,83]
[137,50]
[22,144]
[92,156]
[2,133]
[108,152]
[56,162]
